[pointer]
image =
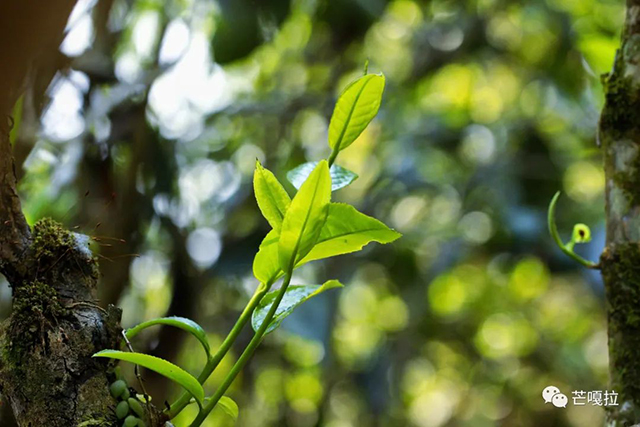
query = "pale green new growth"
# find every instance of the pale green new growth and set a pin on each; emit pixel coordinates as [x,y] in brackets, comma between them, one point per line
[266,267]
[304,229]
[305,217]
[272,198]
[356,107]
[576,235]
[345,231]
[581,233]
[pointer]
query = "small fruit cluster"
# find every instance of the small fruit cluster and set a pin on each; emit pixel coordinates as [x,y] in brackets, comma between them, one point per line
[129,408]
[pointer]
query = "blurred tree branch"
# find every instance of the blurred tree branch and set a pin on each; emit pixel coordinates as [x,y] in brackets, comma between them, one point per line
[22,49]
[187,285]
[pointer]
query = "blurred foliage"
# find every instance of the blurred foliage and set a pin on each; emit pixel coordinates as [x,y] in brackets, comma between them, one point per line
[490,107]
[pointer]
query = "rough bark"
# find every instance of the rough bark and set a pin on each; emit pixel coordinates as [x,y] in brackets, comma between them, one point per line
[46,369]
[619,135]
[15,236]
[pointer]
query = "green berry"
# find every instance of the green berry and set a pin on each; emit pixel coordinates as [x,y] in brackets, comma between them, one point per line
[122,410]
[131,421]
[136,407]
[118,388]
[142,423]
[118,372]
[126,395]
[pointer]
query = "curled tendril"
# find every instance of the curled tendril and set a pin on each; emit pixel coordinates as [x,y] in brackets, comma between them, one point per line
[581,234]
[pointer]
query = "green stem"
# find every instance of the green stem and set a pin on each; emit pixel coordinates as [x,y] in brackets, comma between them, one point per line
[246,355]
[215,360]
[553,230]
[334,154]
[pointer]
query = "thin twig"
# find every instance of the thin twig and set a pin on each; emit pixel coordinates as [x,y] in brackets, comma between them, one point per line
[137,370]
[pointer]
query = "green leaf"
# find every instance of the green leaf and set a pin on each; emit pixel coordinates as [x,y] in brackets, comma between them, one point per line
[305,217]
[293,297]
[229,406]
[356,107]
[266,266]
[161,366]
[179,322]
[272,198]
[340,177]
[347,230]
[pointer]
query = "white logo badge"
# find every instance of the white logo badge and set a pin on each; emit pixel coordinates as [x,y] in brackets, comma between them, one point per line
[549,392]
[552,395]
[559,400]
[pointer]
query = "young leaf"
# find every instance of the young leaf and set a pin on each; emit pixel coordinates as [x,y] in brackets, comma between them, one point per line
[179,322]
[581,233]
[293,297]
[305,217]
[229,406]
[356,107]
[347,230]
[272,198]
[340,177]
[266,266]
[553,229]
[160,366]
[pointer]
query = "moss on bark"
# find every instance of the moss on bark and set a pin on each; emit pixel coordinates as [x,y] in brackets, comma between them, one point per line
[621,112]
[46,369]
[619,125]
[621,272]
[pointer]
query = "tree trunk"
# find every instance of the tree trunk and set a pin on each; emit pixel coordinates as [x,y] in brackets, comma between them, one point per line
[619,135]
[47,373]
[46,369]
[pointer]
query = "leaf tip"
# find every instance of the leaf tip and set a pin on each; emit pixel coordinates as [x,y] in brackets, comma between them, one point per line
[334,284]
